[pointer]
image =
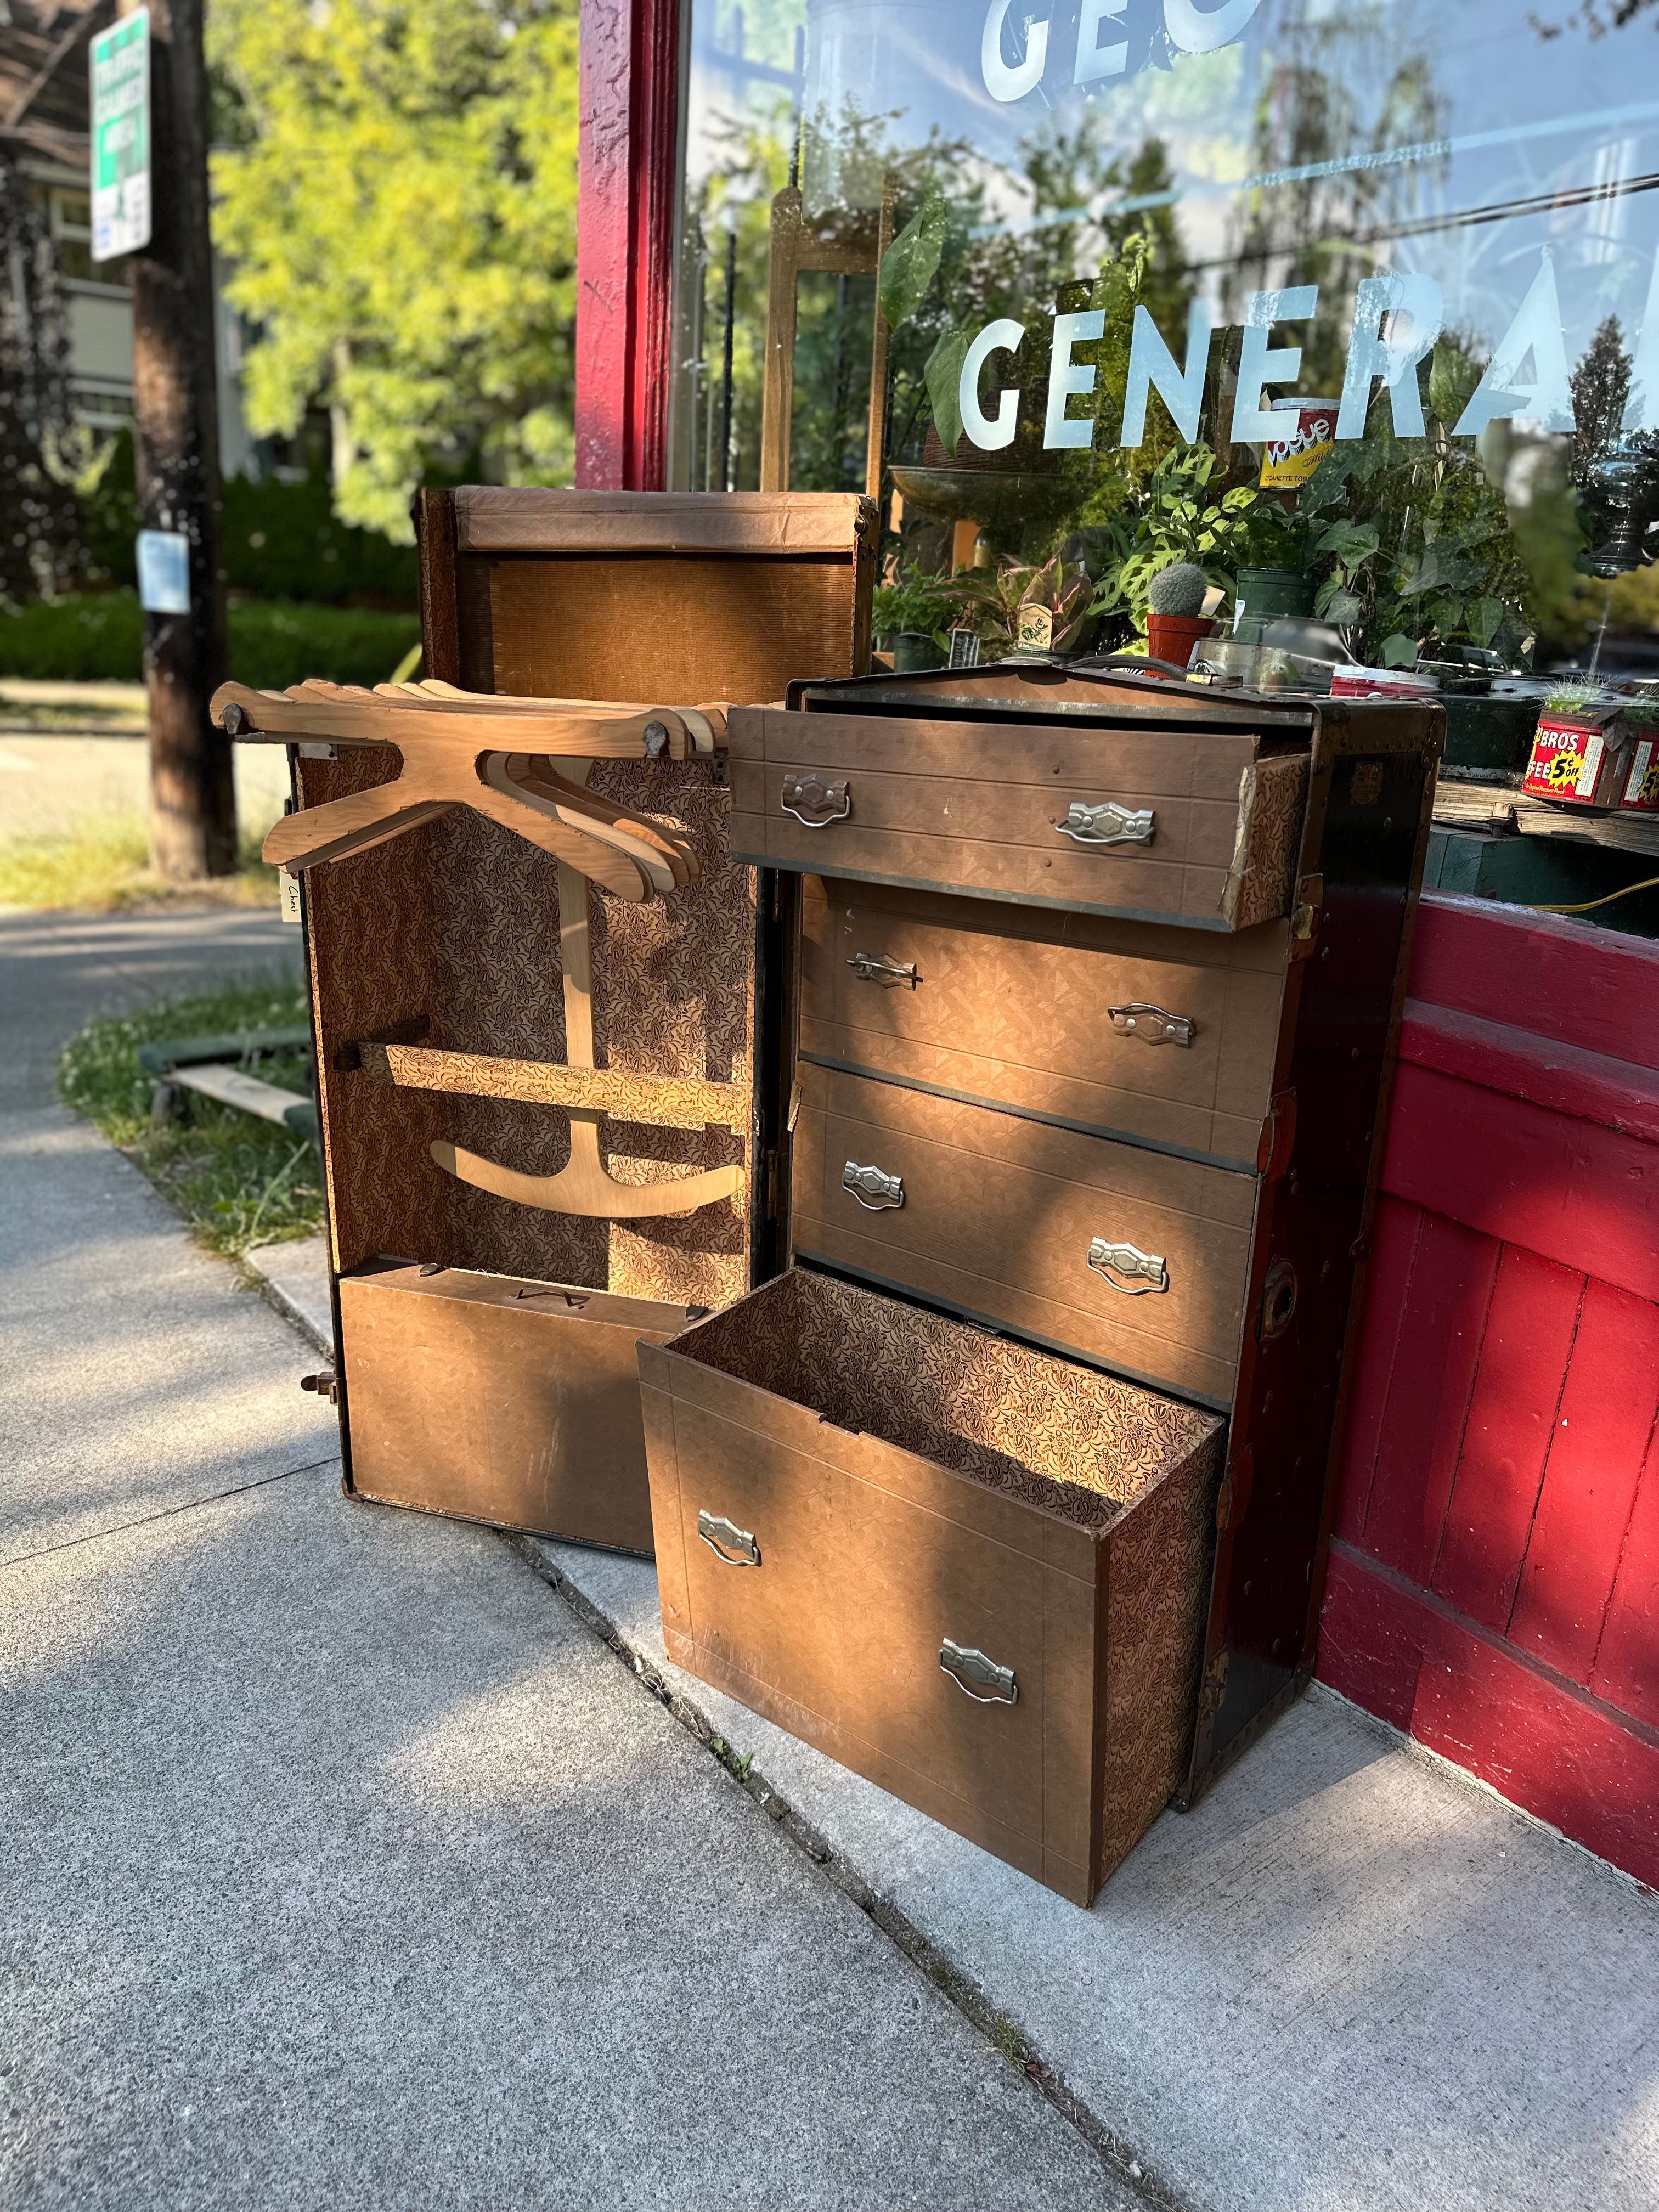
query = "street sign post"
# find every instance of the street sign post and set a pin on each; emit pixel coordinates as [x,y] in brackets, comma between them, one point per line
[121,137]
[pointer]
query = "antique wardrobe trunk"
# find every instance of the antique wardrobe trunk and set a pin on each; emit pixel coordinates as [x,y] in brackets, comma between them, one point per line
[972,1572]
[1094,986]
[481,1321]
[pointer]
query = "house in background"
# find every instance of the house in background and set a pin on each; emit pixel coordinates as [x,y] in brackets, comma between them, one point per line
[45,128]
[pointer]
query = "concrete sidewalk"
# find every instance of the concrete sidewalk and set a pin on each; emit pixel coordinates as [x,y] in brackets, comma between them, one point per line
[342,1865]
[1352,1980]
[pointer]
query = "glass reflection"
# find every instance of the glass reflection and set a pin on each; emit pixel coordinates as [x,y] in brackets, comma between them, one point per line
[1352,309]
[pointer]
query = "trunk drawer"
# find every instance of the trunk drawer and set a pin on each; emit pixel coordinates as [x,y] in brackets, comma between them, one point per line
[501,1399]
[998,1215]
[960,996]
[1164,824]
[975,1574]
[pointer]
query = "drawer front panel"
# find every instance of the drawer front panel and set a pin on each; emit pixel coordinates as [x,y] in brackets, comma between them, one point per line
[1000,1215]
[888,982]
[775,1620]
[1185,826]
[515,1403]
[910,1581]
[847,1615]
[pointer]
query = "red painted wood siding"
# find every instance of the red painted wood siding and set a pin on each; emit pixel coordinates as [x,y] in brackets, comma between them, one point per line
[626,187]
[1494,1580]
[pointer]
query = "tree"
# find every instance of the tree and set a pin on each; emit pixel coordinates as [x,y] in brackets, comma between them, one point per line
[1600,386]
[399,208]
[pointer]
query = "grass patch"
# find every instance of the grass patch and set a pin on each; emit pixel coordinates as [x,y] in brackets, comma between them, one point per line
[102,867]
[237,1181]
[85,636]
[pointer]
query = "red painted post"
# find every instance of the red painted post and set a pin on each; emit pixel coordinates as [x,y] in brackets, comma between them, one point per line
[630,93]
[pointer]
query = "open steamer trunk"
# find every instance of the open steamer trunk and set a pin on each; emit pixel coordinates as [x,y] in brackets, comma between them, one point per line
[1095,983]
[444,1046]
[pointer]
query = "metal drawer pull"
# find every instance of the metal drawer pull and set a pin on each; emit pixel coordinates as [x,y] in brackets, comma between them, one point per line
[872,1188]
[980,1677]
[723,1538]
[1109,824]
[817,800]
[1152,1024]
[876,968]
[1146,1269]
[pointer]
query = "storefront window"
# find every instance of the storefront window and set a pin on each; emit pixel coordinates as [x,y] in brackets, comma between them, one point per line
[1354,308]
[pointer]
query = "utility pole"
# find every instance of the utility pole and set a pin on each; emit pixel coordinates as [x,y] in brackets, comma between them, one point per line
[175,422]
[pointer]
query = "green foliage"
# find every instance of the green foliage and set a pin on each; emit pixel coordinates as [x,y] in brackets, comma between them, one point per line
[400,212]
[87,636]
[1185,513]
[993,601]
[910,263]
[942,374]
[925,605]
[282,541]
[1423,549]
[238,1182]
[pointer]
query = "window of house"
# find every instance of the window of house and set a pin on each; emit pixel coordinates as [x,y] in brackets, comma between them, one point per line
[1353,305]
[69,212]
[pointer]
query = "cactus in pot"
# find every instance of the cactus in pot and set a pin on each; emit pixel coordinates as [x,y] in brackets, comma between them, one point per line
[1175,612]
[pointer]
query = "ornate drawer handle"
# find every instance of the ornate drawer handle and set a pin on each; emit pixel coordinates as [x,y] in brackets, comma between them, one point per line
[1152,1024]
[817,800]
[1146,1269]
[1109,824]
[872,1189]
[980,1677]
[876,968]
[723,1538]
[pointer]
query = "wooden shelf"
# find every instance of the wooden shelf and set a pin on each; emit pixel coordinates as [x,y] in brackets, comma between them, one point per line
[1504,811]
[667,1102]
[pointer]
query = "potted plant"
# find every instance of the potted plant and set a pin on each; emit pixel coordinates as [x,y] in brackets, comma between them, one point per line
[1022,610]
[1175,612]
[1581,747]
[1183,513]
[912,615]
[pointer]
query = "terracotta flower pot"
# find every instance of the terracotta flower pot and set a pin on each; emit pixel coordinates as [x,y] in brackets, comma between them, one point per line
[1172,637]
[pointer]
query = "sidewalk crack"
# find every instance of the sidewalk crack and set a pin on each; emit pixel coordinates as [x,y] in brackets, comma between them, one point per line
[167,1513]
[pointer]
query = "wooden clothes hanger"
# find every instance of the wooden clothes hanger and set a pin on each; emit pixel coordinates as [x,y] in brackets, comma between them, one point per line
[523,763]
[502,757]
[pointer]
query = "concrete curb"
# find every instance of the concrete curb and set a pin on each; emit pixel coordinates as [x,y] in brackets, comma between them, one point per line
[293,1280]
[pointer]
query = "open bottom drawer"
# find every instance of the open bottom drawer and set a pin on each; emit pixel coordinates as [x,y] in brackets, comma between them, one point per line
[500,1400]
[975,1574]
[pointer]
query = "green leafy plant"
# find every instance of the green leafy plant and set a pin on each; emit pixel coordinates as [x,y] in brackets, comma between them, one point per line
[1184,514]
[926,606]
[993,601]
[911,262]
[1414,541]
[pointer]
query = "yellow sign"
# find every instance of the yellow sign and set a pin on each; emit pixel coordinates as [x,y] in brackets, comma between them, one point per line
[1310,434]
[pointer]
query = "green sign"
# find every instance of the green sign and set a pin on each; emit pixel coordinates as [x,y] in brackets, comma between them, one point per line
[120,138]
